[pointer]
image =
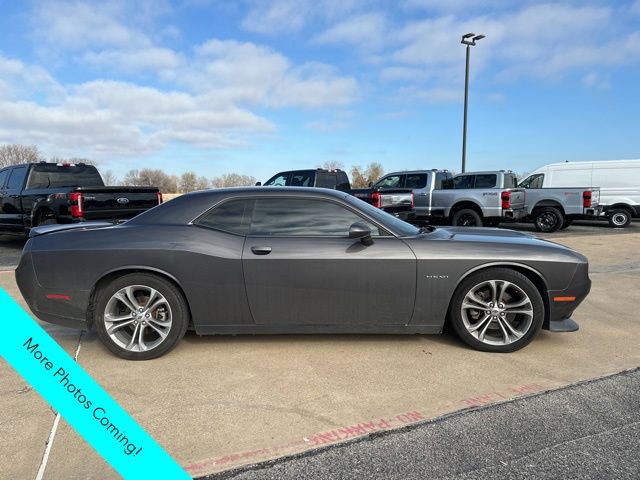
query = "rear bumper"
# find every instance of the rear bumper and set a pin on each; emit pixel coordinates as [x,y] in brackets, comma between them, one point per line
[513,214]
[50,305]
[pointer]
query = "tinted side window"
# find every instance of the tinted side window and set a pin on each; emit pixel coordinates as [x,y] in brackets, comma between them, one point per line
[463,181]
[416,180]
[3,177]
[303,179]
[443,181]
[485,181]
[391,181]
[16,180]
[279,180]
[303,217]
[232,216]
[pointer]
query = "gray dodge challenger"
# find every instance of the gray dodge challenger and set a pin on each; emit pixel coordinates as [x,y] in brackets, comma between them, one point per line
[295,260]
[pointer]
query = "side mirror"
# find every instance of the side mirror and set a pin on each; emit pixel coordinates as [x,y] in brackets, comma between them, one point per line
[258,184]
[361,231]
[370,184]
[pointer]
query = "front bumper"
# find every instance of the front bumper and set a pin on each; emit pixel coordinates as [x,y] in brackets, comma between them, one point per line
[562,303]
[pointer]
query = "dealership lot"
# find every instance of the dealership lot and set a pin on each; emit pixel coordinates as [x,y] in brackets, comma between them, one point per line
[219,402]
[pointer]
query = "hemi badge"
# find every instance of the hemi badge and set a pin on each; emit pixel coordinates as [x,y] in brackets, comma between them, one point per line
[57,296]
[564,299]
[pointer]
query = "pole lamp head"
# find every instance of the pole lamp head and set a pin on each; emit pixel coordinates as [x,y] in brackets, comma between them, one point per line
[470,39]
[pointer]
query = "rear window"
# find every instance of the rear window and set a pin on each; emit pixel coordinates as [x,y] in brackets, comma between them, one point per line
[52,176]
[233,216]
[463,181]
[326,180]
[485,181]
[416,180]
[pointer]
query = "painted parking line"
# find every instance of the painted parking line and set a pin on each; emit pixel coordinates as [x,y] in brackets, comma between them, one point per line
[84,404]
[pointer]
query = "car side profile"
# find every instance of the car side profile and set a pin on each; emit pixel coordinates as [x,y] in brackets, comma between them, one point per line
[295,260]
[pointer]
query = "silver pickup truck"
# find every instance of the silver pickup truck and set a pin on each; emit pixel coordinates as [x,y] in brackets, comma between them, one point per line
[437,195]
[550,209]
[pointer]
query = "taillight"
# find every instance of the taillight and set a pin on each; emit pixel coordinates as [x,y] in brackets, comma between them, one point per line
[375,199]
[586,199]
[506,200]
[159,194]
[75,205]
[413,204]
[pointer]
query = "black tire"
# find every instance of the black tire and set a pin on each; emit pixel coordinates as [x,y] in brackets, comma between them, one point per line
[177,308]
[466,218]
[548,219]
[513,277]
[567,223]
[619,218]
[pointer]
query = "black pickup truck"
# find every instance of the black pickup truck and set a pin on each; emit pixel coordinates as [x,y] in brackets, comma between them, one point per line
[44,193]
[398,201]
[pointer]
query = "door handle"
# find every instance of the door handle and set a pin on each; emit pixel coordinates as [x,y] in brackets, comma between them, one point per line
[261,250]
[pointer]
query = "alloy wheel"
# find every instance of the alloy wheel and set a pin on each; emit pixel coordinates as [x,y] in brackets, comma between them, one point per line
[138,318]
[497,312]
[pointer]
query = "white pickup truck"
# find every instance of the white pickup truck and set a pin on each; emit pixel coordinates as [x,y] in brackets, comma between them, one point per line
[437,195]
[550,209]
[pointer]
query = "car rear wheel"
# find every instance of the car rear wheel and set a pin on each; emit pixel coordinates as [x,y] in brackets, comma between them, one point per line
[497,310]
[548,220]
[466,218]
[619,218]
[140,316]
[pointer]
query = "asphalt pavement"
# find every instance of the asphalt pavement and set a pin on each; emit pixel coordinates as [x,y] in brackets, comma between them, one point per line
[587,430]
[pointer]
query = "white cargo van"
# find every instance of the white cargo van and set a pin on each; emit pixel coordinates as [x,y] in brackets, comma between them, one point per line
[619,182]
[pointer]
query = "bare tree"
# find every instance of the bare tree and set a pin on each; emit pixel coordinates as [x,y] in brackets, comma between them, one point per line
[361,178]
[14,154]
[109,178]
[157,178]
[132,178]
[233,180]
[188,182]
[203,183]
[332,165]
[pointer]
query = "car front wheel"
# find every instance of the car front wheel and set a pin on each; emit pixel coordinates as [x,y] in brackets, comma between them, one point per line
[497,310]
[140,316]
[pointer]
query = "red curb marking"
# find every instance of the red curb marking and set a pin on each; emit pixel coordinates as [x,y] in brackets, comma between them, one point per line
[357,430]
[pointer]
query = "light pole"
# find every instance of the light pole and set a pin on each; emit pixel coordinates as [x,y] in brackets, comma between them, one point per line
[468,39]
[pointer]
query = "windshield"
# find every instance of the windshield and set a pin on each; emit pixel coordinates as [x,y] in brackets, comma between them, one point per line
[398,226]
[53,176]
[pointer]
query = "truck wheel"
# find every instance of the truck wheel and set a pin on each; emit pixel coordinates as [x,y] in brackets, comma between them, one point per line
[567,223]
[548,220]
[619,218]
[466,218]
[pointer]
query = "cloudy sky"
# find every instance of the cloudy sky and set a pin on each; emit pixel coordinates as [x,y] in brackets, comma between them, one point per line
[255,86]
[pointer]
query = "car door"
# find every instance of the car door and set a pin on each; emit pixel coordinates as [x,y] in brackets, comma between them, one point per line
[4,174]
[11,201]
[419,183]
[301,268]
